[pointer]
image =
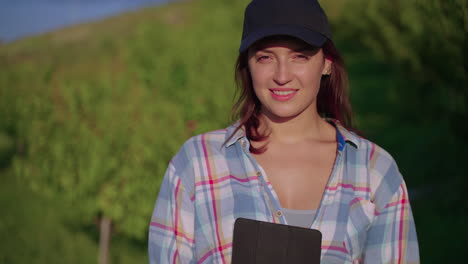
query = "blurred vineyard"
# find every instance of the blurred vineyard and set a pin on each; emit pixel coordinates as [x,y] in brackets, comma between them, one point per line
[91,115]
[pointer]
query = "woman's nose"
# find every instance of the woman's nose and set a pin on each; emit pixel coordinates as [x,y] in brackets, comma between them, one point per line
[282,73]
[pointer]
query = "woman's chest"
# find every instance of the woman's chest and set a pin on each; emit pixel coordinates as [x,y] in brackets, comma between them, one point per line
[298,180]
[343,217]
[240,188]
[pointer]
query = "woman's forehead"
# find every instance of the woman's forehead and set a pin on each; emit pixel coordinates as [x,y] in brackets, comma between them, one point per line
[281,41]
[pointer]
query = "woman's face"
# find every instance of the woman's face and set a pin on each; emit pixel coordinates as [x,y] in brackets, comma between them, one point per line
[286,74]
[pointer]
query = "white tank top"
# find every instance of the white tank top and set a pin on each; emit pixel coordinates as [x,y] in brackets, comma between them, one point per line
[301,218]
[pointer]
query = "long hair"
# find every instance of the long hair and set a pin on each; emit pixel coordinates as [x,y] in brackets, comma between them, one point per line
[332,99]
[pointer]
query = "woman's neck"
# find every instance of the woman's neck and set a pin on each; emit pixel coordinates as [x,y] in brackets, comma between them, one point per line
[297,129]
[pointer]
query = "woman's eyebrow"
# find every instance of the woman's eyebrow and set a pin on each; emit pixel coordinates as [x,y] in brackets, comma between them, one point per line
[299,49]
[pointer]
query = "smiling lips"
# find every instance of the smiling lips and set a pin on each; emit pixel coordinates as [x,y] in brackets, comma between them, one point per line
[283,94]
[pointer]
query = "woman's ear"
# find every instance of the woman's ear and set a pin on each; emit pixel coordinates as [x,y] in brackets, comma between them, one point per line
[327,68]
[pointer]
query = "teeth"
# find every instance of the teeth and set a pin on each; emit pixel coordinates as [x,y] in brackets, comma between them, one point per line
[283,92]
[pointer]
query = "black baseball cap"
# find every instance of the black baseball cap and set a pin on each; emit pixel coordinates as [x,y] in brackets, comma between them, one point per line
[303,19]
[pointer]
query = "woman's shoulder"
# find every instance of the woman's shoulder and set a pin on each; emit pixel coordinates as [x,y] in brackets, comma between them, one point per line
[207,144]
[375,155]
[211,139]
[384,175]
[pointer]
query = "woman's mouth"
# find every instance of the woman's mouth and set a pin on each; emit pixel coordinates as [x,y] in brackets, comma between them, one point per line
[283,94]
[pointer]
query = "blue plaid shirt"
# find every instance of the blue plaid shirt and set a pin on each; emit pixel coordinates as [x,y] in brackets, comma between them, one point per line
[364,215]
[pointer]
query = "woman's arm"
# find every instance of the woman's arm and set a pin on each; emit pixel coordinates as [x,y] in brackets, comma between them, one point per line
[392,236]
[171,234]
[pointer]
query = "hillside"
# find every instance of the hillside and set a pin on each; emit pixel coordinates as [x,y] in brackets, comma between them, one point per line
[89,109]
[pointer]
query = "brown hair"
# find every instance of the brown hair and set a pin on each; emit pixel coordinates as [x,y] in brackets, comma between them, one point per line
[332,99]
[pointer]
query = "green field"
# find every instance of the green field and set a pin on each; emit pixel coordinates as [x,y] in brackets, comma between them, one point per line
[90,116]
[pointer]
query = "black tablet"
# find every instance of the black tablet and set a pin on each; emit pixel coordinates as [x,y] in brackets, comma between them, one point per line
[257,242]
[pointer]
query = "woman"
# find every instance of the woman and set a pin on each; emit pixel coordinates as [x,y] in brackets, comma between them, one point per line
[289,159]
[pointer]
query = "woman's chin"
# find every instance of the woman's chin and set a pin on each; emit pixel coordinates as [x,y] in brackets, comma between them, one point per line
[280,116]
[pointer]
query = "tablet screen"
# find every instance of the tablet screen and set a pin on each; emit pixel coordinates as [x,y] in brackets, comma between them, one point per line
[262,242]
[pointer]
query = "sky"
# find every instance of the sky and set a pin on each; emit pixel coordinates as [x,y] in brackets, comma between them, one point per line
[22,18]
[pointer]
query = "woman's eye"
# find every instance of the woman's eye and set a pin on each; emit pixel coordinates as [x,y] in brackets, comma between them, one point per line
[301,57]
[263,58]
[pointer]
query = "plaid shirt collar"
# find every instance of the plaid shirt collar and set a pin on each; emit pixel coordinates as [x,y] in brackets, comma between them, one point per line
[343,135]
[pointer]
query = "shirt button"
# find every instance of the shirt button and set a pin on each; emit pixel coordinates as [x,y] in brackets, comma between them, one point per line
[244,143]
[279,213]
[259,173]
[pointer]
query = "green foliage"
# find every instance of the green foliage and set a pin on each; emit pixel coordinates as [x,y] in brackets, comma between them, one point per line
[39,230]
[33,233]
[424,39]
[99,129]
[417,34]
[413,102]
[423,43]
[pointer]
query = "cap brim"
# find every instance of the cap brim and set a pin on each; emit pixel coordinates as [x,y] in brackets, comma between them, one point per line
[311,37]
